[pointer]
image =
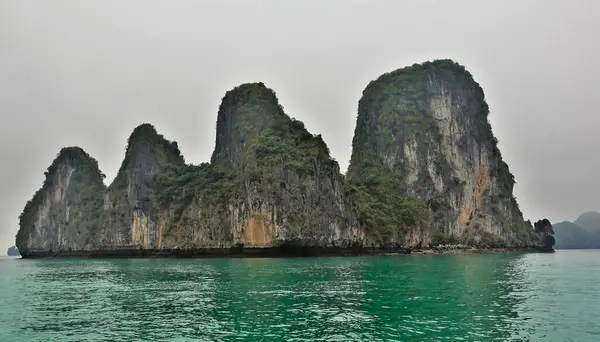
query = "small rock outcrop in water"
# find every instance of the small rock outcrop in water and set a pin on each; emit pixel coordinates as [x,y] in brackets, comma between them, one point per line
[425,170]
[13,251]
[545,229]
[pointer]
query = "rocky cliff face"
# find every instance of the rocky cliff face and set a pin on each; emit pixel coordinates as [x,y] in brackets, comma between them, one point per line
[425,169]
[426,127]
[65,213]
[270,183]
[131,216]
[290,189]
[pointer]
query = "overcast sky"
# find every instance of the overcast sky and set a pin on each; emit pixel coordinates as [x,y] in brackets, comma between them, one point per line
[87,72]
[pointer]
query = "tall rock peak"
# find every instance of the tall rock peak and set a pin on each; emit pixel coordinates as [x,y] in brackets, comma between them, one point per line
[145,129]
[131,211]
[65,213]
[290,187]
[74,156]
[427,125]
[245,112]
[146,149]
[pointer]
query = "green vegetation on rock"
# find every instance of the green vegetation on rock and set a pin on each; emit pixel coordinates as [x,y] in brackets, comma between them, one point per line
[254,136]
[378,196]
[177,187]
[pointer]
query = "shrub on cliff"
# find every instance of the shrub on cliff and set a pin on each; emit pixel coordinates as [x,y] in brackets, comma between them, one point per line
[378,196]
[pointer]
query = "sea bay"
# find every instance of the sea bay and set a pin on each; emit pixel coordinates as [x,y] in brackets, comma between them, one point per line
[495,297]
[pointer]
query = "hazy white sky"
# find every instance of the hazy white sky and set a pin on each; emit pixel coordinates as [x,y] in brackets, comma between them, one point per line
[87,72]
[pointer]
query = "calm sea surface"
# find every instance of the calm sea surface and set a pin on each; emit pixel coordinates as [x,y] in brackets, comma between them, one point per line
[532,297]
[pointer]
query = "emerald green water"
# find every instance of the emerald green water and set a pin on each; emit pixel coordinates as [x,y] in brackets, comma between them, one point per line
[531,297]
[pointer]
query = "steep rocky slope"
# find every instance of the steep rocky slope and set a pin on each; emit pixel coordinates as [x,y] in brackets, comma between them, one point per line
[423,143]
[290,190]
[270,183]
[425,169]
[65,214]
[131,212]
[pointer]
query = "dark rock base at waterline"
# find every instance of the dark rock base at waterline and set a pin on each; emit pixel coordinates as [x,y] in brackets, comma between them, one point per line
[281,251]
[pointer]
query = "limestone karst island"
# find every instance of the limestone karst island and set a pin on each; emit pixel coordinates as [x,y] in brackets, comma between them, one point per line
[425,171]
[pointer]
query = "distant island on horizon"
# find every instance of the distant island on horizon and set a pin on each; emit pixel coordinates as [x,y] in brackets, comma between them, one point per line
[583,233]
[425,173]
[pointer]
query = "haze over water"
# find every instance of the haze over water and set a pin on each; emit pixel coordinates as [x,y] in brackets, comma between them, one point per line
[529,297]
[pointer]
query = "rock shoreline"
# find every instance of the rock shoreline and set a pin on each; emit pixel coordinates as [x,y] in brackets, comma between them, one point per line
[272,252]
[481,250]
